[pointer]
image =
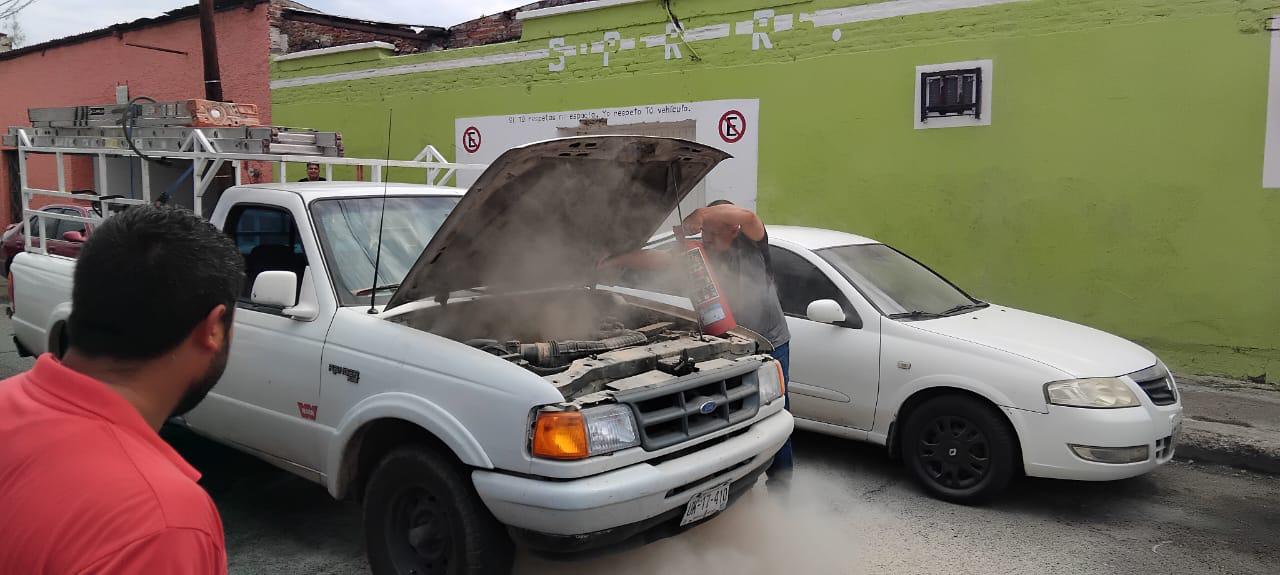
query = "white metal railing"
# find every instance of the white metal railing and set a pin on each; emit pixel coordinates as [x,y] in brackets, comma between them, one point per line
[206,163]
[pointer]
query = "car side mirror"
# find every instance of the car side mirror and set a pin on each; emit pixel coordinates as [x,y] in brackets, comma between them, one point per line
[825,311]
[73,236]
[275,288]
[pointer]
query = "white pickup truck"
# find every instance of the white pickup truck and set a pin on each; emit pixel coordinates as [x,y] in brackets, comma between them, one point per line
[481,380]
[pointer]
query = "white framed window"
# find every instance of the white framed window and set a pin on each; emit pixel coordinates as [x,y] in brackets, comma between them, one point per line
[953,95]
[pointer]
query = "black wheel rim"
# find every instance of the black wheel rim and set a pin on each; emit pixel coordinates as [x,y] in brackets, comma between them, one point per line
[418,530]
[954,452]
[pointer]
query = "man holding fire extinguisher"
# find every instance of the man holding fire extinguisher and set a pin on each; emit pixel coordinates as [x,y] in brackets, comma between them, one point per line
[737,247]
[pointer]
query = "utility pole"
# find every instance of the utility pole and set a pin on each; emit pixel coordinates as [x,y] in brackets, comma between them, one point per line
[209,47]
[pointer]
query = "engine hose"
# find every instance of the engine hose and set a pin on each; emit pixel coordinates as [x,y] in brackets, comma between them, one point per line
[546,370]
[557,352]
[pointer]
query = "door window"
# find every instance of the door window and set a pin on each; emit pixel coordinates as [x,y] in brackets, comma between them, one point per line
[801,283]
[54,228]
[268,239]
[64,226]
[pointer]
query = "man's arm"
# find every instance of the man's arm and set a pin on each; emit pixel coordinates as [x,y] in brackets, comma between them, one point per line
[726,216]
[638,260]
[175,551]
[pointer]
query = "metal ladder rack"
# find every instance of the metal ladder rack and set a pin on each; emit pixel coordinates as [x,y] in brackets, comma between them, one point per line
[208,150]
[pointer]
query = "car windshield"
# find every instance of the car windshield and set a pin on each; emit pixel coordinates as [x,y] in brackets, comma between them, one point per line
[896,284]
[348,230]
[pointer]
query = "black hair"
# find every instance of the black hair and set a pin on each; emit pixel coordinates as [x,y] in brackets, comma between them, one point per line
[720,203]
[145,278]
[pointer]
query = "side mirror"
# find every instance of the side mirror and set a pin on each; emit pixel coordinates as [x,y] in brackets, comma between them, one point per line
[73,236]
[275,288]
[825,311]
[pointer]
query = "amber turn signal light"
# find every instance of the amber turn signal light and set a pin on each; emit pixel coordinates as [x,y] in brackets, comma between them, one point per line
[560,435]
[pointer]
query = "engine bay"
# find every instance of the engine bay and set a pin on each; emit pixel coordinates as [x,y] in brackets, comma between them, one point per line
[582,340]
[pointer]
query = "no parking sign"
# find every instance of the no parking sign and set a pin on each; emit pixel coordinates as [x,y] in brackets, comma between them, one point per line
[471,139]
[733,125]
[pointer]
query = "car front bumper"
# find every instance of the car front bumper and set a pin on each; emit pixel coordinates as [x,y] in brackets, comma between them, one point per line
[1046,437]
[597,510]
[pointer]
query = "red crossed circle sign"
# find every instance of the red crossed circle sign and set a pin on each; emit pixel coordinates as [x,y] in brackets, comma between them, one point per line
[471,139]
[733,125]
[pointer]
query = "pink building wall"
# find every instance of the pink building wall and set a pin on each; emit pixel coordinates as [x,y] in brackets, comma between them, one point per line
[88,72]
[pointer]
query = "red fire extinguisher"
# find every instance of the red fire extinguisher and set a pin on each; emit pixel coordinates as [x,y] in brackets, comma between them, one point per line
[704,291]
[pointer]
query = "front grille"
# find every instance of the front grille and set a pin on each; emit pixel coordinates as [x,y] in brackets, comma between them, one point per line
[1160,390]
[1164,449]
[671,414]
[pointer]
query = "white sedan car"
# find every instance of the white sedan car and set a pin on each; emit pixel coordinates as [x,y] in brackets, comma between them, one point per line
[966,392]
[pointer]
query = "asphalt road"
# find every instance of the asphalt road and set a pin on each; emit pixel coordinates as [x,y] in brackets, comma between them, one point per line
[849,510]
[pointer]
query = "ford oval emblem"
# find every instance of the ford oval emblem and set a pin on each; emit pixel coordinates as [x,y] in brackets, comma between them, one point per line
[707,407]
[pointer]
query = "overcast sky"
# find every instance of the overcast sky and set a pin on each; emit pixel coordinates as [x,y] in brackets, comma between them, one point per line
[49,19]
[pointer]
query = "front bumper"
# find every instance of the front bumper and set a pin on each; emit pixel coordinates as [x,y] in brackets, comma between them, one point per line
[590,510]
[1045,438]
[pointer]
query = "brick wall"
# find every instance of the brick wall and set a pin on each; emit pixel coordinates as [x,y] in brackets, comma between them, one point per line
[495,28]
[291,32]
[297,36]
[88,72]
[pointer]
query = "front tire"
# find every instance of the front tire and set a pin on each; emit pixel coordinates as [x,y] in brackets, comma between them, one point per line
[423,517]
[959,449]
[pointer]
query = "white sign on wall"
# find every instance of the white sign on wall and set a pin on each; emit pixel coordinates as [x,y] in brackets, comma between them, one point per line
[730,125]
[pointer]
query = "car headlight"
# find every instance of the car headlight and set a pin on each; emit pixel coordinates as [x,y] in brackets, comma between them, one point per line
[581,434]
[1099,393]
[772,383]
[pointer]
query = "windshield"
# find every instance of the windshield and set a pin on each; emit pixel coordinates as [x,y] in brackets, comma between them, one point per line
[895,283]
[348,230]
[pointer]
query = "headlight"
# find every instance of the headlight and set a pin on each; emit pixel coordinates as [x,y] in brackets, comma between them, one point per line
[610,428]
[1101,392]
[772,384]
[581,434]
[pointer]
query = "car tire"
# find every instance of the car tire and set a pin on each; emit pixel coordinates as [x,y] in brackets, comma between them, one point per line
[959,449]
[423,516]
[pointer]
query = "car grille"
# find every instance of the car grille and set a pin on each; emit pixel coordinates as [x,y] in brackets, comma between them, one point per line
[1160,390]
[1164,449]
[672,414]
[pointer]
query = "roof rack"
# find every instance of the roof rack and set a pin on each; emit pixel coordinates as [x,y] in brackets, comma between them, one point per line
[208,149]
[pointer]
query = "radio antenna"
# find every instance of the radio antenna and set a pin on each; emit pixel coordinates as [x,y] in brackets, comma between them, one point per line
[377,258]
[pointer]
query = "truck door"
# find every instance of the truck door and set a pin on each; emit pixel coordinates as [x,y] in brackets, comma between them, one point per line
[268,397]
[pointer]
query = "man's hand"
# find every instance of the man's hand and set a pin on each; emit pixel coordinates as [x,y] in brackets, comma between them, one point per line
[692,223]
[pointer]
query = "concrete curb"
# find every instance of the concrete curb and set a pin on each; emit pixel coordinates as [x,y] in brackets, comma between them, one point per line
[1230,422]
[1228,444]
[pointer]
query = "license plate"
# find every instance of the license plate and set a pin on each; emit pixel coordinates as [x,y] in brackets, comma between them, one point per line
[706,504]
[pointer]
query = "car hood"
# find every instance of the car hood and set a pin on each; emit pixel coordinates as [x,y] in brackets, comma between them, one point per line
[1078,350]
[544,214]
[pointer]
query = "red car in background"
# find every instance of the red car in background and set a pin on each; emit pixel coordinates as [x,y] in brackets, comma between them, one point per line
[66,237]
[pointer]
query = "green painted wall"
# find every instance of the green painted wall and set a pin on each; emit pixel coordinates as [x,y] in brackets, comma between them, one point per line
[1119,184]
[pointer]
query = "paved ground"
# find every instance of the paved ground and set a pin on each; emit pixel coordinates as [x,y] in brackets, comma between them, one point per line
[1231,422]
[849,511]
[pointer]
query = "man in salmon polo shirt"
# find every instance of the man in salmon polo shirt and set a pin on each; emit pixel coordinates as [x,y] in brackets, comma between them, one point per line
[86,483]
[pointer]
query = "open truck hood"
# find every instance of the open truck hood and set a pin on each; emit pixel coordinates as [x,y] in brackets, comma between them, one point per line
[542,215]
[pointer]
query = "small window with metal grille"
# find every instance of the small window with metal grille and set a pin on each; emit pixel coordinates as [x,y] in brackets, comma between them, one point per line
[951,93]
